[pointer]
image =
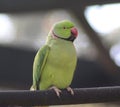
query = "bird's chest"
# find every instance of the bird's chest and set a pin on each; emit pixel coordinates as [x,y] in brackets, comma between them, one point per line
[60,65]
[61,56]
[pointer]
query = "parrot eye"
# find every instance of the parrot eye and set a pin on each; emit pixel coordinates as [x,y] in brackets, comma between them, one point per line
[64,28]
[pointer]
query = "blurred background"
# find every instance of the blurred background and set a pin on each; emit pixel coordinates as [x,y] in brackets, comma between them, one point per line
[24,26]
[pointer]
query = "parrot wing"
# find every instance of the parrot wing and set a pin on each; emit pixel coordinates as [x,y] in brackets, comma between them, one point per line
[38,65]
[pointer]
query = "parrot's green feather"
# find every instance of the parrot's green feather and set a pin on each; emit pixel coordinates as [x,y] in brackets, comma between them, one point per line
[60,66]
[55,63]
[39,63]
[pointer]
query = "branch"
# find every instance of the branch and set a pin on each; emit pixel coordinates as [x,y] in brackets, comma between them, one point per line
[82,95]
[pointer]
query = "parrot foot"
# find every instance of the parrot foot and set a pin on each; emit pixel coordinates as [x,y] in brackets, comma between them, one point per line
[57,91]
[32,88]
[69,89]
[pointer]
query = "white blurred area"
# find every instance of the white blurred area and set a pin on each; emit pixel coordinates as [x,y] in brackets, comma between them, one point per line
[7,30]
[29,31]
[104,19]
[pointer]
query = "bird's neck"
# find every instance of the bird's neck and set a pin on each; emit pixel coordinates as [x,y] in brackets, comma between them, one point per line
[51,40]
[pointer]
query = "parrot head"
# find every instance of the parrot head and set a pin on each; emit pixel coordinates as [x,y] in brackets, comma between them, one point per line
[64,30]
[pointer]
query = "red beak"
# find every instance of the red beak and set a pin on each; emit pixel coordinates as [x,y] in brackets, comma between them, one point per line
[74,31]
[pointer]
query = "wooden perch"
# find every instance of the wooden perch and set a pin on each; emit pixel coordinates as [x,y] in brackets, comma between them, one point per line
[82,96]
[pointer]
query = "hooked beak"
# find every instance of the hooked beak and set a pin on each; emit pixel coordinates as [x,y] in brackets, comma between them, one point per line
[74,32]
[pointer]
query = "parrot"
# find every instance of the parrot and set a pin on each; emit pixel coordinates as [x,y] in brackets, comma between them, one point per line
[55,62]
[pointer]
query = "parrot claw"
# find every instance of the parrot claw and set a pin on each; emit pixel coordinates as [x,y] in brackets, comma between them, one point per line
[69,89]
[57,91]
[33,88]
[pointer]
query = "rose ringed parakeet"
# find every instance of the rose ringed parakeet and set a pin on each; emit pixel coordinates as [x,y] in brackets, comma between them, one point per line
[55,62]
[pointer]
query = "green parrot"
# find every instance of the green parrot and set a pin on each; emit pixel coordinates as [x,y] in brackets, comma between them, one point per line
[55,62]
